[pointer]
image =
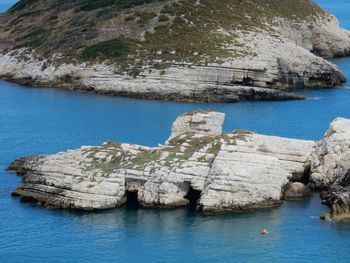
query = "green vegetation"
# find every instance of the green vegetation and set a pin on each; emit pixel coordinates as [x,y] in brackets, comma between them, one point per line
[153,33]
[107,163]
[33,38]
[89,5]
[144,17]
[146,157]
[215,148]
[193,112]
[113,49]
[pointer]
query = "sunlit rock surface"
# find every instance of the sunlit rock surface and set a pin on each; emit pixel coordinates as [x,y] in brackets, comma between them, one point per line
[268,47]
[330,168]
[200,165]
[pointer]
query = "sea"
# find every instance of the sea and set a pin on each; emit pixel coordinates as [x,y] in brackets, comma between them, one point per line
[47,120]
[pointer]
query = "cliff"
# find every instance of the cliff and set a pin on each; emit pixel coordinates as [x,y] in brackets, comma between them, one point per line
[173,49]
[199,165]
[330,168]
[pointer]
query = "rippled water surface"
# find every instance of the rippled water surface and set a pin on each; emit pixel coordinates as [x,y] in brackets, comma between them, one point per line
[35,121]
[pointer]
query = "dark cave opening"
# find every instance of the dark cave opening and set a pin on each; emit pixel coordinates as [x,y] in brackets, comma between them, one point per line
[302,177]
[193,196]
[132,201]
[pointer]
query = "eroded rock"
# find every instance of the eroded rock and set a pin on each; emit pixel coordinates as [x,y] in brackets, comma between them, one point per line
[331,160]
[296,191]
[203,123]
[330,168]
[289,55]
[199,165]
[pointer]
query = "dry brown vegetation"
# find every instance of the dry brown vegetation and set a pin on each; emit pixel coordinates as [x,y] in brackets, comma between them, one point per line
[134,33]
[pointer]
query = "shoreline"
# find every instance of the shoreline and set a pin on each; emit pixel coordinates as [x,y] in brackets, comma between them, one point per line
[206,94]
[268,75]
[198,165]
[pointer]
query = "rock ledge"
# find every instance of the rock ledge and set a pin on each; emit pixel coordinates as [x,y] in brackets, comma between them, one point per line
[199,165]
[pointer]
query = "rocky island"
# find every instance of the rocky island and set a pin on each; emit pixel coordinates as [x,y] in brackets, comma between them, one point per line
[199,165]
[188,50]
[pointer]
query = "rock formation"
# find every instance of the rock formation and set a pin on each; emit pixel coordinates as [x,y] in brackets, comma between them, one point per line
[173,50]
[330,168]
[331,160]
[198,165]
[296,191]
[205,123]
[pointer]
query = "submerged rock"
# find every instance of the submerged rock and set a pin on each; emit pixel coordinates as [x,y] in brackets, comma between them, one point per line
[296,191]
[337,197]
[198,166]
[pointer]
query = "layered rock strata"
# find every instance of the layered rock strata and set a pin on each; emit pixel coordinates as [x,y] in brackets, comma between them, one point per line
[330,168]
[199,165]
[178,83]
[215,171]
[259,62]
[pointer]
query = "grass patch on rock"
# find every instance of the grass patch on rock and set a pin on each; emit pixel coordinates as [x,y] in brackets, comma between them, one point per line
[113,49]
[139,34]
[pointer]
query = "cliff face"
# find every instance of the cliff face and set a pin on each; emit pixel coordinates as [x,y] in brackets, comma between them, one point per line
[198,165]
[330,168]
[182,50]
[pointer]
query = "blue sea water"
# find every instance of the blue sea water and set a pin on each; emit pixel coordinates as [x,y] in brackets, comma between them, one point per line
[43,121]
[6,4]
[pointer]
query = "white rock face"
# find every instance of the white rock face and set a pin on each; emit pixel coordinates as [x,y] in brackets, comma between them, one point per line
[66,179]
[330,169]
[331,160]
[324,37]
[241,181]
[251,170]
[201,123]
[275,62]
[330,40]
[230,171]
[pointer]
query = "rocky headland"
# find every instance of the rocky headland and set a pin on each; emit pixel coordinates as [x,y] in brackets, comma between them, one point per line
[173,49]
[199,165]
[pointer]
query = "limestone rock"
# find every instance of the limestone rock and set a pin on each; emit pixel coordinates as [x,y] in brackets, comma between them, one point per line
[71,180]
[331,160]
[251,170]
[330,40]
[330,168]
[201,123]
[337,197]
[296,191]
[227,171]
[286,59]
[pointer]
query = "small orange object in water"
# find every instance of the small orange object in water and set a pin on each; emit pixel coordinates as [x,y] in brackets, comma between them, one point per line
[264,232]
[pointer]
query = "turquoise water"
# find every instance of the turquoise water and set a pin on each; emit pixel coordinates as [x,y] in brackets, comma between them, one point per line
[6,4]
[35,121]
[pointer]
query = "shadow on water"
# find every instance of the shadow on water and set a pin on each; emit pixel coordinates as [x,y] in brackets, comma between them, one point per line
[343,225]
